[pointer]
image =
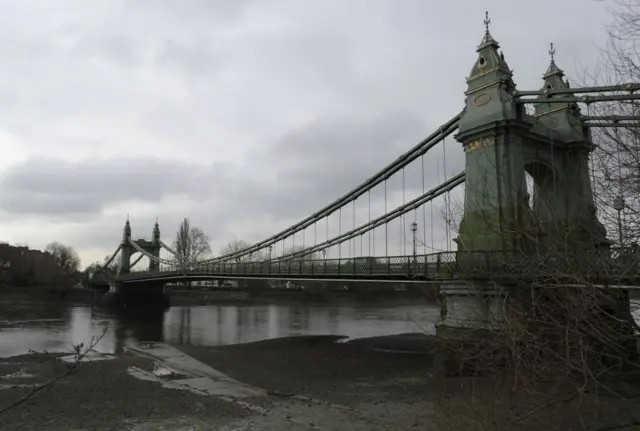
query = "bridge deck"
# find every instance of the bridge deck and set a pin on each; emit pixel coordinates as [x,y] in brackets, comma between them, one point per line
[602,266]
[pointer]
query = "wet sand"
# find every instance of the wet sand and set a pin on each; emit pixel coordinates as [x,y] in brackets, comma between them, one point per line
[303,383]
[311,380]
[101,396]
[345,373]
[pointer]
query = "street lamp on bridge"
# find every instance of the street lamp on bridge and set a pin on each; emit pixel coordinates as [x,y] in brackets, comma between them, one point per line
[619,205]
[270,250]
[414,228]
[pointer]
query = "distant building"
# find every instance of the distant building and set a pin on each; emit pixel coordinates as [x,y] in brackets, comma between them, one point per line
[20,266]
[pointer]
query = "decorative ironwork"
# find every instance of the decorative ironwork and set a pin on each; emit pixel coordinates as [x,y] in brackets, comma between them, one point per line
[476,144]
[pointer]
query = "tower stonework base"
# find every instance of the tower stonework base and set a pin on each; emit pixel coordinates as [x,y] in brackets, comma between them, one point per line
[486,325]
[471,319]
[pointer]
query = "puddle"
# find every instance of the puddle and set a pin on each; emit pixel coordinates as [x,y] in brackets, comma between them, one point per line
[2,387]
[20,374]
[146,345]
[89,357]
[166,372]
[26,322]
[141,374]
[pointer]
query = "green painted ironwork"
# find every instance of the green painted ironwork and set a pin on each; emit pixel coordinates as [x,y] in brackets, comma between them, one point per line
[593,266]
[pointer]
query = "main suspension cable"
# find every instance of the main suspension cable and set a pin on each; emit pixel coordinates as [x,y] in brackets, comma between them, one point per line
[381,176]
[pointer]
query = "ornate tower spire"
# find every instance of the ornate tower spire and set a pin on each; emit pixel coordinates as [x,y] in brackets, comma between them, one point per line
[553,68]
[156,232]
[487,34]
[554,80]
[491,63]
[490,85]
[127,230]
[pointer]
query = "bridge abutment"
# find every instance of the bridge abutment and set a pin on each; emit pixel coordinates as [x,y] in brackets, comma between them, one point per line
[486,327]
[473,306]
[143,294]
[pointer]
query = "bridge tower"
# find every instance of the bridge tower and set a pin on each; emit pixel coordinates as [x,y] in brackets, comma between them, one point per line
[125,249]
[502,143]
[137,293]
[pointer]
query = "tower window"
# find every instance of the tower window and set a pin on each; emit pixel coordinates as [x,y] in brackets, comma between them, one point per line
[482,61]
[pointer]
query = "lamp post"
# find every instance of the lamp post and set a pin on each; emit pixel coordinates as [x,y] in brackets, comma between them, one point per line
[270,250]
[618,205]
[414,228]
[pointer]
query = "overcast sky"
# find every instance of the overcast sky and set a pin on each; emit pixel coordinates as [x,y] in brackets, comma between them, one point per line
[243,115]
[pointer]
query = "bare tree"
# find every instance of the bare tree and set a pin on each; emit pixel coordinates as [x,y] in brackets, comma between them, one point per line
[65,256]
[80,351]
[306,257]
[565,355]
[91,270]
[616,160]
[562,341]
[191,245]
[238,245]
[113,267]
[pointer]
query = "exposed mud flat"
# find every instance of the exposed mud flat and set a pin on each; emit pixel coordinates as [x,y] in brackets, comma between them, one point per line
[101,395]
[287,384]
[156,386]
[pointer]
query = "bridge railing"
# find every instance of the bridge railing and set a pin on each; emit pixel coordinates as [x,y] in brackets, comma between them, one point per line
[549,266]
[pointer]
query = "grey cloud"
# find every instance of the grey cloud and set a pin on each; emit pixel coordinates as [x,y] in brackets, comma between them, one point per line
[115,48]
[305,100]
[198,60]
[329,157]
[68,205]
[208,10]
[49,186]
[308,168]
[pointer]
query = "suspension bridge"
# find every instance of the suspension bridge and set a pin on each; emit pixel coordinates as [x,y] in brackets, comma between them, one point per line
[528,213]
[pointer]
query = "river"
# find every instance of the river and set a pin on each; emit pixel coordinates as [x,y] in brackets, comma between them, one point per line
[53,327]
[32,325]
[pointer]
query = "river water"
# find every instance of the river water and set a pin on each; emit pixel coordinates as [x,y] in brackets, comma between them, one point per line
[54,327]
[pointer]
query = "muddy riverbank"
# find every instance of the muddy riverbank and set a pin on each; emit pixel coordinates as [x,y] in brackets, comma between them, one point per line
[309,383]
[101,395]
[286,384]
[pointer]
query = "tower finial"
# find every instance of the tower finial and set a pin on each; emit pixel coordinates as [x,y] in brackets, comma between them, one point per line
[156,232]
[127,228]
[487,34]
[553,67]
[487,21]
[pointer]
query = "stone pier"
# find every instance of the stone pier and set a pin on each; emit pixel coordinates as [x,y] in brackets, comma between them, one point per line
[472,315]
[486,325]
[142,294]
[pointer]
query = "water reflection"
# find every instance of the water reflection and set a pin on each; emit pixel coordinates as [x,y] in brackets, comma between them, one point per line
[42,326]
[50,327]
